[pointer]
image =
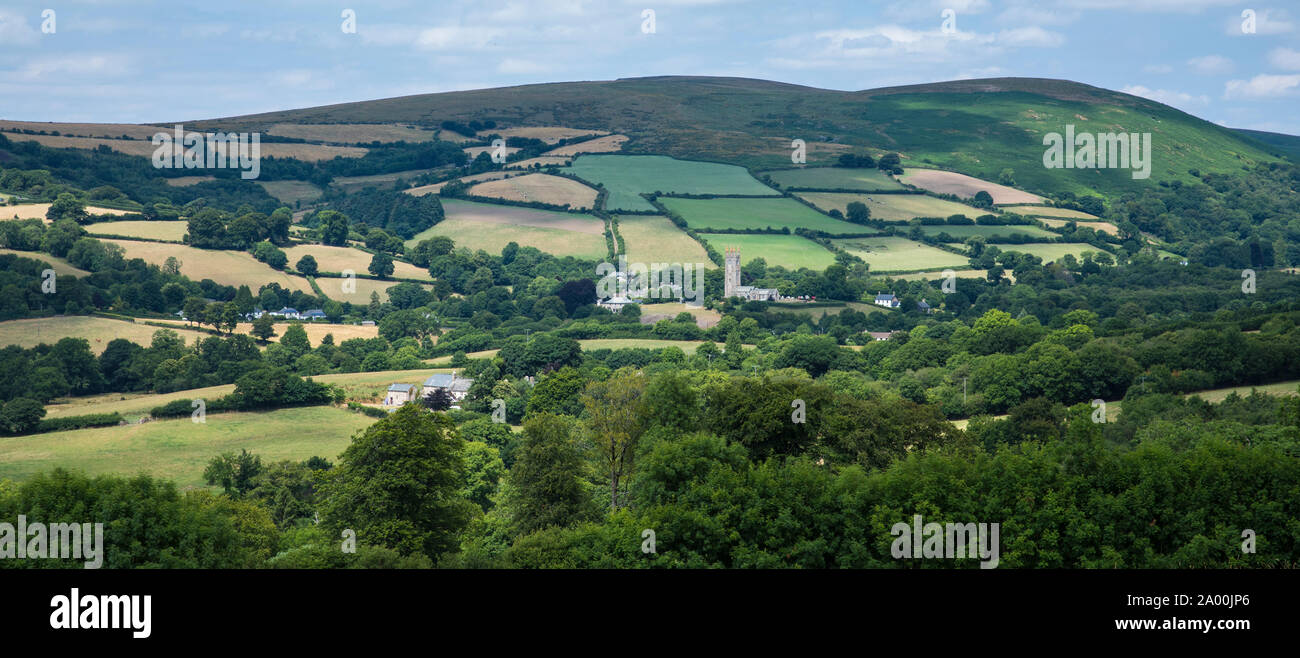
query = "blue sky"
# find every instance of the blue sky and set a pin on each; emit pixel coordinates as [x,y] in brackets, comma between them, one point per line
[137,61]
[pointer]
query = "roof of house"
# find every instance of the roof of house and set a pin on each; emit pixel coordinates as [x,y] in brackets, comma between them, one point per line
[404,388]
[879,335]
[884,296]
[461,385]
[315,313]
[922,304]
[441,380]
[287,310]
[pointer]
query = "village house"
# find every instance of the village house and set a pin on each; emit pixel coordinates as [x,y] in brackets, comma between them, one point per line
[888,300]
[313,314]
[879,335]
[614,304]
[400,394]
[924,307]
[458,387]
[286,312]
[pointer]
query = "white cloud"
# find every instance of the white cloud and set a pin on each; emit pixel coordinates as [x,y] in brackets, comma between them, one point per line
[15,31]
[1182,6]
[1267,22]
[62,66]
[1173,98]
[1031,37]
[1211,65]
[1262,86]
[1285,58]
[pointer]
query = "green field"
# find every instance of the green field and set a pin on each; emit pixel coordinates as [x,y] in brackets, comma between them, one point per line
[722,214]
[97,331]
[60,265]
[290,192]
[1050,251]
[895,254]
[789,251]
[893,207]
[628,176]
[655,239]
[180,449]
[833,178]
[963,232]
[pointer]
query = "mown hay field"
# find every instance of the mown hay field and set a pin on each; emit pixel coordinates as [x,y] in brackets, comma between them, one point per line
[338,259]
[950,182]
[892,207]
[231,268]
[655,239]
[541,188]
[173,231]
[97,331]
[890,253]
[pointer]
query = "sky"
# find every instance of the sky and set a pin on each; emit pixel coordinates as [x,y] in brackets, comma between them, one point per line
[1234,63]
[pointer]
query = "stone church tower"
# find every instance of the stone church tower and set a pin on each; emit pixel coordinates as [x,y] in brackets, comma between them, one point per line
[731,279]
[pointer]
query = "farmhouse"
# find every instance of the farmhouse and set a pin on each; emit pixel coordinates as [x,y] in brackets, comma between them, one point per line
[399,394]
[286,312]
[924,307]
[888,300]
[458,387]
[878,335]
[313,314]
[614,304]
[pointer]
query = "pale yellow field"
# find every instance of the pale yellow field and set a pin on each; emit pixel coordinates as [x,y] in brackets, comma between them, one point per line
[492,236]
[607,144]
[938,274]
[544,161]
[473,151]
[437,187]
[655,239]
[1100,227]
[704,318]
[486,213]
[231,268]
[186,181]
[145,148]
[134,405]
[353,133]
[337,259]
[949,182]
[98,331]
[542,188]
[315,330]
[1049,211]
[548,134]
[134,131]
[453,136]
[157,230]
[333,288]
[38,210]
[60,265]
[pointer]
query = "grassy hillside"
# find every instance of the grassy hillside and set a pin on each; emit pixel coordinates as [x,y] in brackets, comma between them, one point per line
[977,127]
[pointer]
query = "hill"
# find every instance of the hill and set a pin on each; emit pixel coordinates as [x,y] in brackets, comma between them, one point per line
[976,127]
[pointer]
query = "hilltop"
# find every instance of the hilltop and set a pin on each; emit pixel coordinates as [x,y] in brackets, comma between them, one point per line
[977,127]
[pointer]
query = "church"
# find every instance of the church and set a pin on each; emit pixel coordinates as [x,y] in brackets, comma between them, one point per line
[731,282]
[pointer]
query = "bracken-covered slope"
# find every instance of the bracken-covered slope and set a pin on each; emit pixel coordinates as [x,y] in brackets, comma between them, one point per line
[977,127]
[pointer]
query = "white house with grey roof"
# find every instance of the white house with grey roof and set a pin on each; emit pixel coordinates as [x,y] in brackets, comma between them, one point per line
[400,394]
[458,387]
